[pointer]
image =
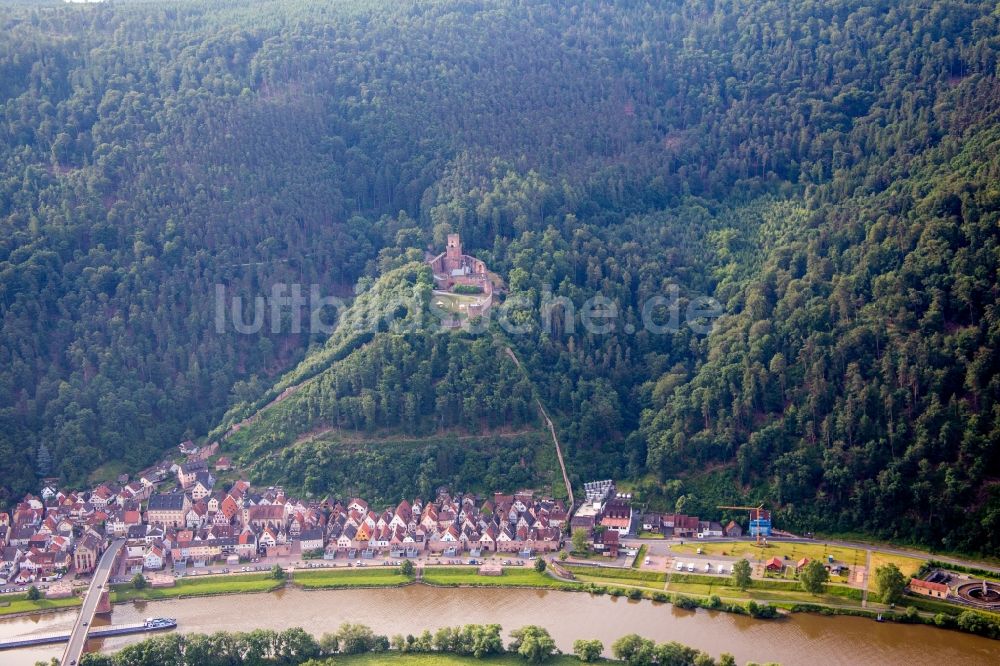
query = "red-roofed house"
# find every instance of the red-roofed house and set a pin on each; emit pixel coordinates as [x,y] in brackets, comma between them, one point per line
[928,589]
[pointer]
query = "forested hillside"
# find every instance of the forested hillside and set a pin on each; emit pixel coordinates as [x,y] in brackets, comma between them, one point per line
[393,404]
[825,170]
[858,378]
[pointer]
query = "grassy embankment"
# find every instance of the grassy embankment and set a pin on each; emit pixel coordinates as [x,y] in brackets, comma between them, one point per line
[652,580]
[934,606]
[772,591]
[332,579]
[520,577]
[327,579]
[198,587]
[19,603]
[775,592]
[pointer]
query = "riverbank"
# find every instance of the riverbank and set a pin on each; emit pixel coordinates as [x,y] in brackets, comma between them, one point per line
[198,587]
[337,579]
[763,597]
[519,577]
[798,638]
[18,605]
[761,600]
[781,593]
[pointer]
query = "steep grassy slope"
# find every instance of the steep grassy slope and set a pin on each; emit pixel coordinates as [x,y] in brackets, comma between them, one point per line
[395,404]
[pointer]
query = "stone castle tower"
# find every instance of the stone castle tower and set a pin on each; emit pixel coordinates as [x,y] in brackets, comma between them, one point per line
[453,253]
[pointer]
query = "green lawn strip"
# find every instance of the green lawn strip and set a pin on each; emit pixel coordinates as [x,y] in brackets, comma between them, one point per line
[436,659]
[790,594]
[801,596]
[621,574]
[519,577]
[620,583]
[765,584]
[190,587]
[344,578]
[639,556]
[19,603]
[930,606]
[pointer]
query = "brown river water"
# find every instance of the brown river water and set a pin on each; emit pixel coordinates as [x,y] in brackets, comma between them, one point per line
[810,640]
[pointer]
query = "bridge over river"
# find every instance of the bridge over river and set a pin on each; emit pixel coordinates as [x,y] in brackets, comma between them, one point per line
[78,637]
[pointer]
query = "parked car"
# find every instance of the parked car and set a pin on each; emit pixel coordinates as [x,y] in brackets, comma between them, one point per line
[679,566]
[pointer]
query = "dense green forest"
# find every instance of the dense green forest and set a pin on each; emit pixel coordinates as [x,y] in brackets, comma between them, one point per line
[825,170]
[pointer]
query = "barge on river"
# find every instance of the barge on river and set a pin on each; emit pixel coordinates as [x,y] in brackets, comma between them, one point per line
[150,624]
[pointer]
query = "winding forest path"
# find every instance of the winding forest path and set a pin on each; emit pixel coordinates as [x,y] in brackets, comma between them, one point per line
[552,431]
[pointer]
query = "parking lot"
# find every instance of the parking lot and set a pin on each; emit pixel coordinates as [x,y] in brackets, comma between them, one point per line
[701,566]
[663,560]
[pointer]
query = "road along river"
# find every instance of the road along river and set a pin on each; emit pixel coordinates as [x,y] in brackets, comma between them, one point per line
[810,640]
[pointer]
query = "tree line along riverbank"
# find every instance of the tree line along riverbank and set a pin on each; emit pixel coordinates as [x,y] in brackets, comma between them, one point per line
[358,645]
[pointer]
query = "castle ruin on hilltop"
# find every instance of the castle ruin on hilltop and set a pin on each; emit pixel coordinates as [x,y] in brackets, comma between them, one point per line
[456,274]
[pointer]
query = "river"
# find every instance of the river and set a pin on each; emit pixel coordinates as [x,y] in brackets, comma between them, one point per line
[801,639]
